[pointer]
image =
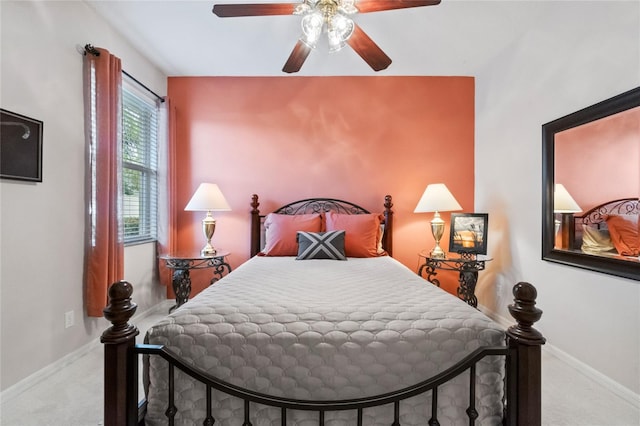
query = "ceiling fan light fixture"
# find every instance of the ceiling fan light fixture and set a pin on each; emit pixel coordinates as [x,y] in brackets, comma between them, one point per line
[302,8]
[312,24]
[339,30]
[335,44]
[348,7]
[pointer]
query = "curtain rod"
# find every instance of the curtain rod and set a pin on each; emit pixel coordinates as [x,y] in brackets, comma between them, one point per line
[95,52]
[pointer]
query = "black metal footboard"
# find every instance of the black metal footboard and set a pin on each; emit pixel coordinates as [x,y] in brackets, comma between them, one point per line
[522,395]
[322,407]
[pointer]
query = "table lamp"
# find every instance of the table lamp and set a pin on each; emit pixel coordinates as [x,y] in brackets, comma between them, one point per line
[564,204]
[437,198]
[208,198]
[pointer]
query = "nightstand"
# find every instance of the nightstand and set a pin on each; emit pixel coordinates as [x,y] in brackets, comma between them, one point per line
[467,264]
[182,264]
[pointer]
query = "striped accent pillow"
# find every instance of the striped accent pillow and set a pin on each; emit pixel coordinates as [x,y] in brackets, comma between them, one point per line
[321,245]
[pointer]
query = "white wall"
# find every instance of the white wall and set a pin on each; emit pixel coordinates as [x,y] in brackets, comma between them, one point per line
[42,224]
[574,55]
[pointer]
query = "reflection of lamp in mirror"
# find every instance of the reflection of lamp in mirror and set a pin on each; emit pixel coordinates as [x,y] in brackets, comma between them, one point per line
[208,198]
[564,204]
[437,198]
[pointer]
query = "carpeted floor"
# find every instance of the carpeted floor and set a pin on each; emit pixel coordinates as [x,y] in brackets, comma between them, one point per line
[73,396]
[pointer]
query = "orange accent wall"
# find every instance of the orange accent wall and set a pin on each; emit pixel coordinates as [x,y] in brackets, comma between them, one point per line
[353,138]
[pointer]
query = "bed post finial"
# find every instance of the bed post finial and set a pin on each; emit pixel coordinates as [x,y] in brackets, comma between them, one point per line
[387,202]
[255,225]
[524,393]
[120,394]
[524,311]
[119,310]
[387,237]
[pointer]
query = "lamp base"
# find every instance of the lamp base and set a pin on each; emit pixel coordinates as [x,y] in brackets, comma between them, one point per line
[437,229]
[208,251]
[208,228]
[437,253]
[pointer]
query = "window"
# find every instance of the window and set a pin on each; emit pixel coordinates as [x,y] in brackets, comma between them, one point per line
[139,165]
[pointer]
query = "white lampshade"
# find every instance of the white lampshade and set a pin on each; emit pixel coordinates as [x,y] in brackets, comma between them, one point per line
[207,197]
[563,202]
[437,198]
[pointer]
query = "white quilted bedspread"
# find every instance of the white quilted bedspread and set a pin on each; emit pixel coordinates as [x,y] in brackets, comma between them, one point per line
[321,329]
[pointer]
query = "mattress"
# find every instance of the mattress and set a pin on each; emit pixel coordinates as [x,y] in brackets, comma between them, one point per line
[322,329]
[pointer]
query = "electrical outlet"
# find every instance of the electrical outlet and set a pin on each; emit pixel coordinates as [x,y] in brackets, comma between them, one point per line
[68,319]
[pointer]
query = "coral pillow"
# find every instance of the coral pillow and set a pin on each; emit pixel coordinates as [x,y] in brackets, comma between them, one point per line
[281,232]
[624,234]
[362,232]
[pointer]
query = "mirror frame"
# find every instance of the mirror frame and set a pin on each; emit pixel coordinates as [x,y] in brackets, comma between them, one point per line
[612,266]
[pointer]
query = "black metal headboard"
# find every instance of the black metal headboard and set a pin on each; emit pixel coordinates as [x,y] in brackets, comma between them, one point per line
[318,205]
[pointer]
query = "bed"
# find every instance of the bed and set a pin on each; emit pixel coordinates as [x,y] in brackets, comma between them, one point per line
[329,330]
[609,229]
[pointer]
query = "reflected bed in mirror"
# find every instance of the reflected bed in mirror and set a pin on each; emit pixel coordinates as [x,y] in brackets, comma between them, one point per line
[594,154]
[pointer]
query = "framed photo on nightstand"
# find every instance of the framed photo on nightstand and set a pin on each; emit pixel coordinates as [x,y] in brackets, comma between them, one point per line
[468,233]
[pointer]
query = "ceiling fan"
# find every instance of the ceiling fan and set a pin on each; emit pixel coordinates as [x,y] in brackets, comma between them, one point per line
[332,17]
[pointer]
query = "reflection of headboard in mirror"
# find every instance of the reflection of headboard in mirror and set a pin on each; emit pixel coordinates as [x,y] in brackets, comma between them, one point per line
[593,221]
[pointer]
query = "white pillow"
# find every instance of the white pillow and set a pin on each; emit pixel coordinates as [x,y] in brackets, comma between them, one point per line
[596,240]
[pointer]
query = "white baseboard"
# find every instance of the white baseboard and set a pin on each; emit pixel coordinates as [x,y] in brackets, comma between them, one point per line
[43,374]
[580,367]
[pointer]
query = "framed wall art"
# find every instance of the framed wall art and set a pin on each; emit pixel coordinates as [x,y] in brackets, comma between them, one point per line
[20,147]
[468,233]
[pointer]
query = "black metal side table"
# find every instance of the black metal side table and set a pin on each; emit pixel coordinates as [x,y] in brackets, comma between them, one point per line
[181,265]
[467,264]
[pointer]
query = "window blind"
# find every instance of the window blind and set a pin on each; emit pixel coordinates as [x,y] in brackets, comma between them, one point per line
[139,165]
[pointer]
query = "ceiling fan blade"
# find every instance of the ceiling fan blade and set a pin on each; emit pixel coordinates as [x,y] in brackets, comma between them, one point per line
[296,59]
[256,9]
[368,50]
[365,6]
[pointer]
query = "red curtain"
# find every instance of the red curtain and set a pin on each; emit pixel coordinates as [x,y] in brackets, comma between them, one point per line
[104,247]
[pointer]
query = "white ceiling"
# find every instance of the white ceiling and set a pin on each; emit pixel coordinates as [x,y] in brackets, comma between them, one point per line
[184,38]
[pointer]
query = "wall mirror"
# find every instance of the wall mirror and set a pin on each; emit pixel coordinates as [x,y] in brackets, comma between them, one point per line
[591,185]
